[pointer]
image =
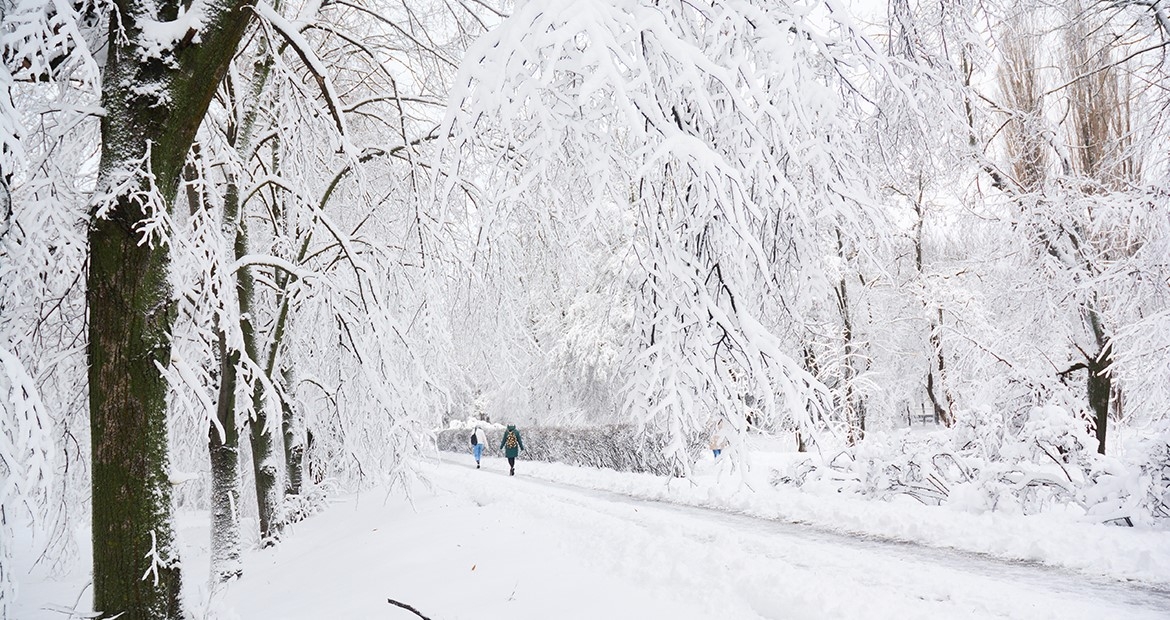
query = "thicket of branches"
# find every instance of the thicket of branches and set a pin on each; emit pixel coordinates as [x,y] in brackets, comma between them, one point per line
[381,215]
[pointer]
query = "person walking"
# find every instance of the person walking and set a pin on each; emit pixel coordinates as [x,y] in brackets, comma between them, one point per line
[478,439]
[718,442]
[512,444]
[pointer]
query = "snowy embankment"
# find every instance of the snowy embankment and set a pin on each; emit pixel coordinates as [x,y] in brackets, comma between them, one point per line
[1060,540]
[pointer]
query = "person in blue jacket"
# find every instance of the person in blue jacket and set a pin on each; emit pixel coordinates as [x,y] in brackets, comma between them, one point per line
[512,444]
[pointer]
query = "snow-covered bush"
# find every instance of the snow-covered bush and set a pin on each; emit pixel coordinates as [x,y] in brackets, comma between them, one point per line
[1136,486]
[1022,463]
[620,447]
[310,501]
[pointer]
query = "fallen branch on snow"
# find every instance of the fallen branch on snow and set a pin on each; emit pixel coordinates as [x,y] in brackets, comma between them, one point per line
[407,608]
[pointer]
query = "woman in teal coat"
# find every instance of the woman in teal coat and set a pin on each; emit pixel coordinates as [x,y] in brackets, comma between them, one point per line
[512,444]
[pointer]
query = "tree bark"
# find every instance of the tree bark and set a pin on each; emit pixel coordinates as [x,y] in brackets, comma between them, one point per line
[1099,391]
[1100,382]
[130,318]
[5,198]
[294,447]
[944,407]
[223,441]
[153,106]
[264,467]
[224,451]
[261,436]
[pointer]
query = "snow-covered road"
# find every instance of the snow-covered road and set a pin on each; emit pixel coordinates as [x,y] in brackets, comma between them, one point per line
[763,568]
[480,544]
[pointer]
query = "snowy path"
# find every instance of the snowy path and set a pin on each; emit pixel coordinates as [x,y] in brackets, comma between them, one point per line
[486,545]
[833,575]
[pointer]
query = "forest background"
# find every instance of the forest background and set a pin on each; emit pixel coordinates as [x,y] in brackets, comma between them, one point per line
[255,253]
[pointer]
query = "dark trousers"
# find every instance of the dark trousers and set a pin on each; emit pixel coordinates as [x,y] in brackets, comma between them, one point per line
[512,462]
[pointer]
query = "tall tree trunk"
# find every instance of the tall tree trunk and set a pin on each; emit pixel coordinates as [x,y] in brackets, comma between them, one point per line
[130,318]
[1100,381]
[261,434]
[944,407]
[265,465]
[294,447]
[223,440]
[854,405]
[936,374]
[153,106]
[225,470]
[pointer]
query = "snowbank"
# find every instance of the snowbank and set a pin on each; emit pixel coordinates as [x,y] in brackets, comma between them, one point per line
[1054,538]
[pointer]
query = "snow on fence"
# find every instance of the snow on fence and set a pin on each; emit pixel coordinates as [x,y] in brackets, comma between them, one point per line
[617,446]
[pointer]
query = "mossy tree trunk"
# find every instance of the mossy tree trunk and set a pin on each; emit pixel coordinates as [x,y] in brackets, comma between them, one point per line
[153,103]
[130,320]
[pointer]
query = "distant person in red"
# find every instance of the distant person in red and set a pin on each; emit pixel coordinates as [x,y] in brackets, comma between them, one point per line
[512,444]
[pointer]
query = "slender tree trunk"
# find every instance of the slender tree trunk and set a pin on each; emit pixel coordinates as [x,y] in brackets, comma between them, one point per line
[294,447]
[261,434]
[223,441]
[1100,381]
[854,406]
[265,465]
[810,364]
[225,470]
[944,407]
[5,198]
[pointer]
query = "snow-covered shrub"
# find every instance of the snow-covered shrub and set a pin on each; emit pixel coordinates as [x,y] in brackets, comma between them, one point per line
[620,447]
[1134,487]
[1023,462]
[309,502]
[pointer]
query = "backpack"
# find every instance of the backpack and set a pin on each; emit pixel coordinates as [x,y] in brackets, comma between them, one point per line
[510,440]
[474,441]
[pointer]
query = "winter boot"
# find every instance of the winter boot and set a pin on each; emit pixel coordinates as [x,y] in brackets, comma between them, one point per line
[512,472]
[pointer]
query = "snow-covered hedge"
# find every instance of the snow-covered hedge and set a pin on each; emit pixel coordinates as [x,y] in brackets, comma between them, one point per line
[1043,460]
[617,447]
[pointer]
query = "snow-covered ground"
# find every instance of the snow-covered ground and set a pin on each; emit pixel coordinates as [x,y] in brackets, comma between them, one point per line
[1068,541]
[564,542]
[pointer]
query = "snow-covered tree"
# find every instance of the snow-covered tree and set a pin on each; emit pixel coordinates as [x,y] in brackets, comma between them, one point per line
[727,133]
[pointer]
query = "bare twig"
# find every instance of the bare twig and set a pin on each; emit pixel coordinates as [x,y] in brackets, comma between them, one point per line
[407,608]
